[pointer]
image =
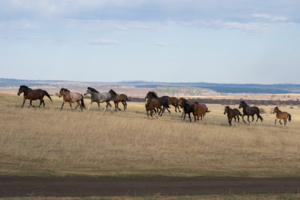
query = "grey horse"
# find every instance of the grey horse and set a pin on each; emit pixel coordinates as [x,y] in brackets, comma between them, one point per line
[99,97]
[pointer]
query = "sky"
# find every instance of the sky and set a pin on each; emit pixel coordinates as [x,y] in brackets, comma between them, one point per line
[216,41]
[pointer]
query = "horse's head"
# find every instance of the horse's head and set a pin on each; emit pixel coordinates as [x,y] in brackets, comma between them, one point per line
[62,92]
[112,92]
[22,89]
[242,104]
[226,110]
[87,92]
[276,109]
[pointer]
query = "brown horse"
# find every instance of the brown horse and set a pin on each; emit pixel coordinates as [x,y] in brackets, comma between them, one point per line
[33,95]
[281,115]
[203,108]
[174,102]
[151,105]
[119,98]
[232,113]
[71,97]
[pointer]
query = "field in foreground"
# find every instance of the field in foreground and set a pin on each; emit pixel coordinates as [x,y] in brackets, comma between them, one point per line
[49,142]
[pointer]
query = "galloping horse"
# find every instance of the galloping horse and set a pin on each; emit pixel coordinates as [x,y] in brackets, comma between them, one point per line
[119,98]
[188,108]
[174,102]
[232,113]
[99,97]
[71,97]
[202,107]
[281,115]
[151,105]
[250,111]
[163,101]
[33,95]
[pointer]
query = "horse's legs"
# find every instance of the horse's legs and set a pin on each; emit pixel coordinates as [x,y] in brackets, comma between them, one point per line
[115,106]
[190,117]
[78,103]
[41,101]
[125,105]
[23,102]
[76,106]
[62,105]
[118,106]
[243,118]
[178,108]
[280,122]
[238,119]
[71,106]
[252,118]
[234,119]
[31,103]
[99,105]
[275,121]
[248,119]
[229,121]
[91,104]
[285,120]
[168,110]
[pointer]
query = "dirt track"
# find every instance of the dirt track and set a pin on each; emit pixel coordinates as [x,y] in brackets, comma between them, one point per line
[83,186]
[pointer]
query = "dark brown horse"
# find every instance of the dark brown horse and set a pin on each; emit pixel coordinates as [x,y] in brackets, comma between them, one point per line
[151,105]
[174,102]
[33,95]
[232,113]
[250,111]
[71,97]
[202,107]
[281,115]
[119,98]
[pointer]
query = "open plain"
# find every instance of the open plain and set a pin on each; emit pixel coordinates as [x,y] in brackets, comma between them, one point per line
[47,142]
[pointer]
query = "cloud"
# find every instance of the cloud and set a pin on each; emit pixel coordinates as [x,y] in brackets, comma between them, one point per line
[165,44]
[104,42]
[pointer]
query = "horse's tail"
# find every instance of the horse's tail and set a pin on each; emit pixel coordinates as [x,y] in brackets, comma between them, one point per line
[82,102]
[127,99]
[290,117]
[207,109]
[258,115]
[46,93]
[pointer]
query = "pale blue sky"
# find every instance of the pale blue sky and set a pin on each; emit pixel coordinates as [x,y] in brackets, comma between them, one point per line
[222,41]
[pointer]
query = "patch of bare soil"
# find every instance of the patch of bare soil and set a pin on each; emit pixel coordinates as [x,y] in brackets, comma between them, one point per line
[87,186]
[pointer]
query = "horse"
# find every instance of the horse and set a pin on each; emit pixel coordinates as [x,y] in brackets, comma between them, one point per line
[232,113]
[33,95]
[188,108]
[281,115]
[151,105]
[119,98]
[71,97]
[203,107]
[99,97]
[174,102]
[250,111]
[162,100]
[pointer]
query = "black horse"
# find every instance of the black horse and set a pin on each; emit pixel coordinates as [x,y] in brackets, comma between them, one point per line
[33,95]
[250,111]
[188,109]
[163,101]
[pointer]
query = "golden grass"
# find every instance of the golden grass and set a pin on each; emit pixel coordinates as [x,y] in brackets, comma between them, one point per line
[172,197]
[49,142]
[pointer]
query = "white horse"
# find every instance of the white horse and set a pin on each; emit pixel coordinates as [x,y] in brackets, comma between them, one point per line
[99,97]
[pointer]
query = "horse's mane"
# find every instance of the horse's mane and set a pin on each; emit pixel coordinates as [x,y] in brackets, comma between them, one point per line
[183,99]
[243,102]
[93,90]
[153,94]
[113,92]
[65,90]
[24,86]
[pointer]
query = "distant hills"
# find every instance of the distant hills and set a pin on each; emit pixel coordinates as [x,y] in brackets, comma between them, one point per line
[217,87]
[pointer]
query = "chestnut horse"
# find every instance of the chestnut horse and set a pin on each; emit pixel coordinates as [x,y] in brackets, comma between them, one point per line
[232,113]
[202,107]
[119,98]
[281,115]
[33,95]
[174,102]
[71,97]
[151,105]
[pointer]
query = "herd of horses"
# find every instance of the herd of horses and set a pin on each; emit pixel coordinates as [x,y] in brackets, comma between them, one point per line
[153,104]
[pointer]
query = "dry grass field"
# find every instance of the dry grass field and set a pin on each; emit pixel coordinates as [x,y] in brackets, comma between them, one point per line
[49,142]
